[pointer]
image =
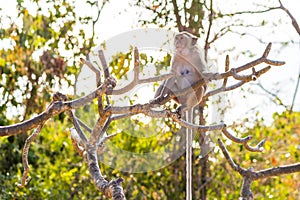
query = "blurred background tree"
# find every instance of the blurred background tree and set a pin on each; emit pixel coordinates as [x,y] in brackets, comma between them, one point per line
[43,47]
[40,51]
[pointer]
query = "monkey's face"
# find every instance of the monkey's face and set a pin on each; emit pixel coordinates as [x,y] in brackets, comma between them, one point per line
[181,41]
[184,40]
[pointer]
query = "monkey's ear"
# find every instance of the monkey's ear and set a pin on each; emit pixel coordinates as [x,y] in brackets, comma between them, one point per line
[194,41]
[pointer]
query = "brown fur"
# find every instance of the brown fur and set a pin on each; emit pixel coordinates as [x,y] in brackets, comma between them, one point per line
[187,67]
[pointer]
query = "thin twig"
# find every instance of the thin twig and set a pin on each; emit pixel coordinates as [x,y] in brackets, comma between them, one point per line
[77,142]
[210,19]
[226,69]
[29,140]
[294,21]
[61,97]
[296,92]
[94,69]
[272,94]
[86,127]
[244,141]
[248,12]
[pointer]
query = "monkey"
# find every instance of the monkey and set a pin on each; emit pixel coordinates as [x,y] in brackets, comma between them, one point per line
[188,67]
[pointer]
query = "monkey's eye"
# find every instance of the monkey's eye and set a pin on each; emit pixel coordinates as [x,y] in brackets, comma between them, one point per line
[187,71]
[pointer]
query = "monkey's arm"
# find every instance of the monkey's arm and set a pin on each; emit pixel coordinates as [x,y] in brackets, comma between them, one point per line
[164,90]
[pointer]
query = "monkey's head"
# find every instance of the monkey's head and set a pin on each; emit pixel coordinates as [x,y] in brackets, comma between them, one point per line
[185,40]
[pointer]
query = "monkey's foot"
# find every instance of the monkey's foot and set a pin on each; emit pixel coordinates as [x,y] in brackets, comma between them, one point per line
[179,112]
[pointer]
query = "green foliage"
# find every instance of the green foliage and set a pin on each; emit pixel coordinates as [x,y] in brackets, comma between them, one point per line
[56,170]
[281,148]
[186,15]
[33,63]
[41,53]
[120,64]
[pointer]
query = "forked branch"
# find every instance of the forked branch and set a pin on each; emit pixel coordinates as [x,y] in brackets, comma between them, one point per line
[89,147]
[249,175]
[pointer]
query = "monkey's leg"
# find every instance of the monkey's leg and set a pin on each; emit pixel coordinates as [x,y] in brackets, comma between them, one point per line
[190,100]
[163,91]
[196,97]
[160,90]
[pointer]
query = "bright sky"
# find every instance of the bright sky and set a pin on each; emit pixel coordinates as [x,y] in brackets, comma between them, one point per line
[118,17]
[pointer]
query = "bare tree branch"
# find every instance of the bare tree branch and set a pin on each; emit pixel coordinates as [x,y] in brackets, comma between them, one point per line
[244,141]
[248,12]
[273,95]
[56,108]
[250,175]
[89,147]
[210,17]
[29,140]
[113,188]
[91,66]
[86,127]
[294,21]
[177,15]
[296,26]
[296,91]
